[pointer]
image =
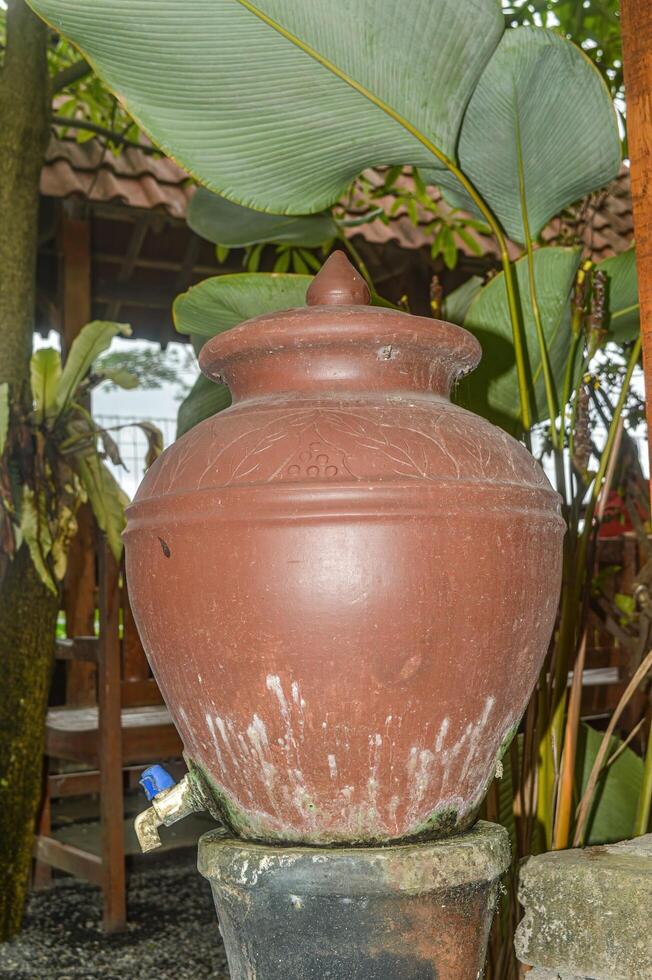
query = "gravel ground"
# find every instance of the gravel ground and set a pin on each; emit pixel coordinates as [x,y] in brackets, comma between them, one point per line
[172,932]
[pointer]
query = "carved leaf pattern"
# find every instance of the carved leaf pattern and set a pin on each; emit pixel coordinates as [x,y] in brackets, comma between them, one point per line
[342,444]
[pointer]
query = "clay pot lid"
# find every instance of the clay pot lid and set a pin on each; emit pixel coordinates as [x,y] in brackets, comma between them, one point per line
[338,312]
[338,283]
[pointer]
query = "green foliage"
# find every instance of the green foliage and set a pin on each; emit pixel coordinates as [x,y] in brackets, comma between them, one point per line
[594,25]
[613,813]
[222,302]
[84,109]
[67,461]
[492,389]
[380,102]
[623,322]
[45,378]
[106,497]
[526,108]
[448,229]
[225,223]
[92,340]
[204,399]
[456,304]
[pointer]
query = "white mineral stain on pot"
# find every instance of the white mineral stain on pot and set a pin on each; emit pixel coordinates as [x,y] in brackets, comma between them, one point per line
[273,682]
[257,733]
[225,738]
[256,759]
[423,765]
[216,746]
[442,734]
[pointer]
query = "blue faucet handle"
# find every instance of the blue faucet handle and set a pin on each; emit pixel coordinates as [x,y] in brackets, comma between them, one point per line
[154,780]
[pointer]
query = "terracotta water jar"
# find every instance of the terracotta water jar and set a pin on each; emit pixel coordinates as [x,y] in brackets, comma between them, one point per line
[345,583]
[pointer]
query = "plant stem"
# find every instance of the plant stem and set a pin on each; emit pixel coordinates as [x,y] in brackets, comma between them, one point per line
[534,302]
[645,799]
[71,74]
[564,812]
[109,134]
[545,764]
[575,582]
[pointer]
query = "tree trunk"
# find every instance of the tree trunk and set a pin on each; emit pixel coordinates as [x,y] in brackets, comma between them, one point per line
[24,111]
[27,610]
[28,614]
[636,18]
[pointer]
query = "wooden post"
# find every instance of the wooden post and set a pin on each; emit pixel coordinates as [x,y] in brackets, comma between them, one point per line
[110,746]
[79,586]
[636,16]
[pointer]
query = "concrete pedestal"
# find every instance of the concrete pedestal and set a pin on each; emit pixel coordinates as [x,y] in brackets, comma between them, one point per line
[409,912]
[587,912]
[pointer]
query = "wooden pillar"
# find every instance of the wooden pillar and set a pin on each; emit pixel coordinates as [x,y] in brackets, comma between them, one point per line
[79,585]
[636,16]
[110,743]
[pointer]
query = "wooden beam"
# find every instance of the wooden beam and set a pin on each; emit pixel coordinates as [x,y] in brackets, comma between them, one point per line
[78,648]
[188,264]
[636,16]
[132,294]
[136,241]
[68,858]
[75,275]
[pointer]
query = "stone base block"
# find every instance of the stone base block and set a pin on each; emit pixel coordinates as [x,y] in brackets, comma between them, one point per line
[541,973]
[409,912]
[587,912]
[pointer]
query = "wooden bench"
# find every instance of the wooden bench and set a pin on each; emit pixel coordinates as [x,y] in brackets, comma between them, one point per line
[127,729]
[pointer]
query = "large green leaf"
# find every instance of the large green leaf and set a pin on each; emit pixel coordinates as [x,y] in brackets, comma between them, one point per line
[92,339]
[279,104]
[492,389]
[540,127]
[45,374]
[613,813]
[204,399]
[222,302]
[622,296]
[456,304]
[225,223]
[107,499]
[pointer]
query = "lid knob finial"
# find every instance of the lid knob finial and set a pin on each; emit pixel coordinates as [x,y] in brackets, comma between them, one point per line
[338,283]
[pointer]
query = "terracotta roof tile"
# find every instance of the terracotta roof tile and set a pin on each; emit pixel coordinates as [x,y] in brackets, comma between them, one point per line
[603,223]
[134,178]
